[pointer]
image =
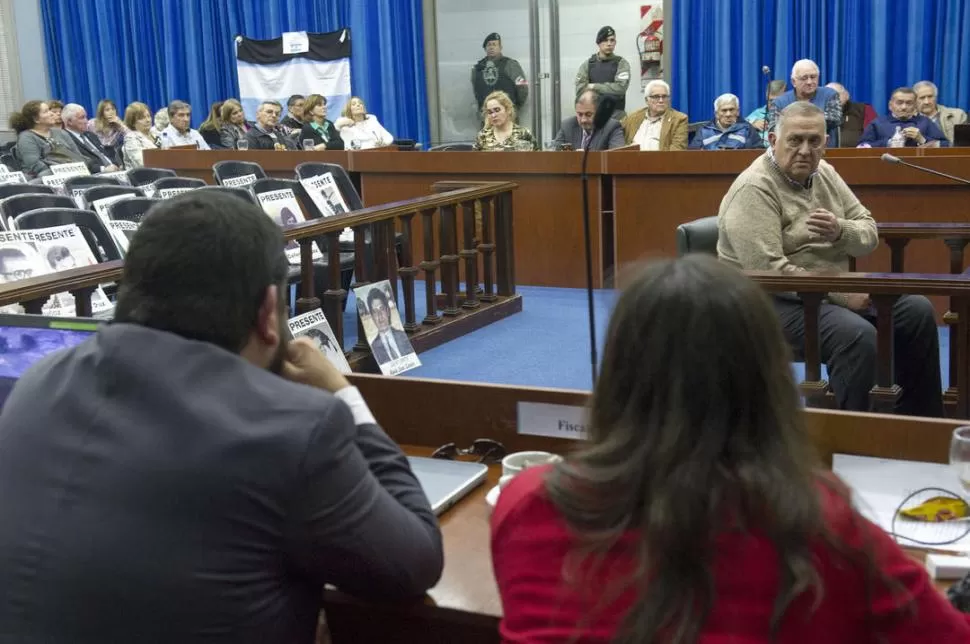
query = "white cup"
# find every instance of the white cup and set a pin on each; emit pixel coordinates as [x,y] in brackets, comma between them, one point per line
[515,463]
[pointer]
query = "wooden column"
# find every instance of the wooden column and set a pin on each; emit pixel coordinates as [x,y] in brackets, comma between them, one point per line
[362,278]
[487,249]
[952,319]
[504,244]
[962,309]
[35,306]
[449,258]
[333,297]
[308,300]
[469,253]
[885,394]
[430,267]
[813,387]
[897,254]
[407,271]
[82,301]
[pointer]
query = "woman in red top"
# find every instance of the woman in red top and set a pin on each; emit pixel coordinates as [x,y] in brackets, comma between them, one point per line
[696,512]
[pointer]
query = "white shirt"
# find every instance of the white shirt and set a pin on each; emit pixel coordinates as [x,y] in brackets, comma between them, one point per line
[368,133]
[172,138]
[648,134]
[393,351]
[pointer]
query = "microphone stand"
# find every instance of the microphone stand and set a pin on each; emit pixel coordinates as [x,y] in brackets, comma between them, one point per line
[589,259]
[892,158]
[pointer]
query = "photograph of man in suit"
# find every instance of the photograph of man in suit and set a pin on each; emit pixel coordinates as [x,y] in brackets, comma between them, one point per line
[578,131]
[390,342]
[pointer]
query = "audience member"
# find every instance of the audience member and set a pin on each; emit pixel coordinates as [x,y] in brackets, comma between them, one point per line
[855,117]
[161,122]
[108,127]
[903,126]
[656,126]
[295,119]
[211,128]
[804,80]
[138,119]
[759,117]
[234,124]
[219,473]
[713,522]
[577,132]
[179,131]
[790,211]
[39,144]
[75,120]
[606,72]
[318,129]
[267,134]
[500,131]
[360,130]
[726,131]
[55,106]
[944,117]
[495,72]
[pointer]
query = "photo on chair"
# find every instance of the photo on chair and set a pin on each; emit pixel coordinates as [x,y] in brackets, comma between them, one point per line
[283,207]
[314,325]
[382,325]
[122,231]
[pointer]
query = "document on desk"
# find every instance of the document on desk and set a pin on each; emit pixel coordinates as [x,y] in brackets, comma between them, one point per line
[879,485]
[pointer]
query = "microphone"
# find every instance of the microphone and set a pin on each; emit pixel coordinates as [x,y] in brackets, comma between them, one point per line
[765,70]
[892,158]
[604,110]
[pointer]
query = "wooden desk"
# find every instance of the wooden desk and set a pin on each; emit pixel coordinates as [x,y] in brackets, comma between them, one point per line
[466,605]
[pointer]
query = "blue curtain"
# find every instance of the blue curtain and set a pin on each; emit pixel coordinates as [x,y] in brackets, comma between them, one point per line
[158,50]
[870,46]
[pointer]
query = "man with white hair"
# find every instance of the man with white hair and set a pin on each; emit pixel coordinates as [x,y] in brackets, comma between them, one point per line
[790,211]
[656,126]
[726,131]
[805,87]
[944,117]
[75,120]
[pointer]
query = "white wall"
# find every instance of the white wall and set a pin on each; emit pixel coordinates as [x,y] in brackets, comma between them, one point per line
[463,24]
[30,44]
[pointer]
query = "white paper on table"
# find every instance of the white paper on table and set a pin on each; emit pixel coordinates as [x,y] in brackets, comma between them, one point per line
[879,485]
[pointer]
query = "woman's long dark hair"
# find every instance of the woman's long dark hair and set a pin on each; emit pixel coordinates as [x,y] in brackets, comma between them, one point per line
[695,429]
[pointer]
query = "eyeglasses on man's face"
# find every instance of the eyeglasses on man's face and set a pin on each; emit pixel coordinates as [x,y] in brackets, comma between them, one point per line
[806,77]
[658,97]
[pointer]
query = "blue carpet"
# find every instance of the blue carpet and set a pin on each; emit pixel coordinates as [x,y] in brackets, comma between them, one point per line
[546,345]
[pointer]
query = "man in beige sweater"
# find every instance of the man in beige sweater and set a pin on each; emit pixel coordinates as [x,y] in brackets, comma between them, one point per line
[790,211]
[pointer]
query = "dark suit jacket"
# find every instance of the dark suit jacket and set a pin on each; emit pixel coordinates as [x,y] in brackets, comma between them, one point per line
[91,159]
[334,142]
[157,489]
[611,136]
[259,140]
[380,350]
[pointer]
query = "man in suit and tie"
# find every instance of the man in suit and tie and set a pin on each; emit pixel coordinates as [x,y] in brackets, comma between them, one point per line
[76,125]
[656,126]
[390,343]
[578,132]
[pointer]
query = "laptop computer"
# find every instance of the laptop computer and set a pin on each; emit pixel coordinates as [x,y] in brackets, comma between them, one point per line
[25,339]
[446,482]
[961,135]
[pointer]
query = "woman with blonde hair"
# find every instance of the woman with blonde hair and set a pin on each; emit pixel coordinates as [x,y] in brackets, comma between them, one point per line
[501,132]
[234,124]
[138,119]
[360,130]
[108,127]
[161,121]
[211,128]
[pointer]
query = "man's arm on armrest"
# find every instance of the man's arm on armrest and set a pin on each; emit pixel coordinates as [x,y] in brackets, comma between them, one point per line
[362,521]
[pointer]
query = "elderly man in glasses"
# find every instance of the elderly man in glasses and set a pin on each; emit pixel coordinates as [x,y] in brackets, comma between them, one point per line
[805,84]
[656,126]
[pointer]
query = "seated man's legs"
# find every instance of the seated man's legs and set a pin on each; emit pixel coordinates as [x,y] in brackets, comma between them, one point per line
[848,348]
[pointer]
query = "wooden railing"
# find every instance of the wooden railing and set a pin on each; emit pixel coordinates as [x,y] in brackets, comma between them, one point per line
[884,289]
[476,267]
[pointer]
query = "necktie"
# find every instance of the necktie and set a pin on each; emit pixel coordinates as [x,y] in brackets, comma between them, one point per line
[87,143]
[586,137]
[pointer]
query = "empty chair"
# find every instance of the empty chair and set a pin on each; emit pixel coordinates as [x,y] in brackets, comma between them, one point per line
[91,195]
[176,183]
[74,186]
[698,236]
[16,205]
[133,209]
[96,234]
[227,170]
[144,176]
[452,147]
[11,189]
[242,193]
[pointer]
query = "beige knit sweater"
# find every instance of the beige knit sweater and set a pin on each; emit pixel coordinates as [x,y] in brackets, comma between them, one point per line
[762,222]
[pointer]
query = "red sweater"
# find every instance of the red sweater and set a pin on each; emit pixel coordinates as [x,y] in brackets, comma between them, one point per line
[530,541]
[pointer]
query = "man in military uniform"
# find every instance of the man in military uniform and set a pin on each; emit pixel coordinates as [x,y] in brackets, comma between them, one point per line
[495,72]
[606,72]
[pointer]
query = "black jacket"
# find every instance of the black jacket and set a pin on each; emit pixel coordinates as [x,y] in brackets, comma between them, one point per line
[156,489]
[259,140]
[333,140]
[94,160]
